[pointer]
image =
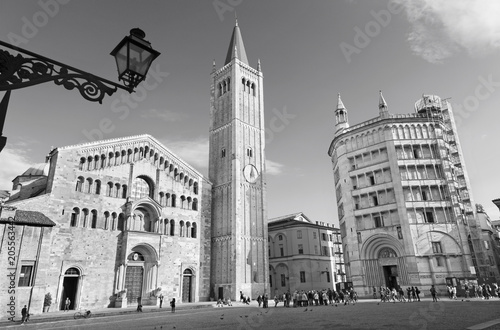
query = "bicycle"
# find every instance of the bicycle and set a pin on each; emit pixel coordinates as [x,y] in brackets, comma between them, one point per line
[82,314]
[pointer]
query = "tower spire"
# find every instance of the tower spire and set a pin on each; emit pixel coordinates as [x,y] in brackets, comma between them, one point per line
[236,46]
[382,105]
[341,120]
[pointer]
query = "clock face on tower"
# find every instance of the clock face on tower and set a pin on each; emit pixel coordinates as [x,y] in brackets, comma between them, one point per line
[251,174]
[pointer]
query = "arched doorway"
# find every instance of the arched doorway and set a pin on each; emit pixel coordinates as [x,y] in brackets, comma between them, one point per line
[187,285]
[134,277]
[70,288]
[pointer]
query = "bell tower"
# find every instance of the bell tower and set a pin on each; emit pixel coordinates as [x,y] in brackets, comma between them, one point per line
[237,171]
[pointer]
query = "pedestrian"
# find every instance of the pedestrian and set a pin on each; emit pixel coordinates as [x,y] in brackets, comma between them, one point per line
[259,299]
[24,314]
[161,300]
[67,303]
[433,293]
[139,308]
[276,300]
[374,293]
[413,294]
[417,292]
[242,296]
[172,304]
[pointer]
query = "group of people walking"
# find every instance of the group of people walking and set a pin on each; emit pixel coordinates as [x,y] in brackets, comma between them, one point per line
[310,298]
[392,295]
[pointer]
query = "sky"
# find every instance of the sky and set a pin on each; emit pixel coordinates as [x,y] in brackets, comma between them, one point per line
[309,52]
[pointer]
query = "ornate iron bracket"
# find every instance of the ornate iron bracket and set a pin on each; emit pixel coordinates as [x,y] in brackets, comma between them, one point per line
[18,72]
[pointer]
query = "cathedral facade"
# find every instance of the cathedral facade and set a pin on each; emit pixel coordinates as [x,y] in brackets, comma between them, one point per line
[132,221]
[121,222]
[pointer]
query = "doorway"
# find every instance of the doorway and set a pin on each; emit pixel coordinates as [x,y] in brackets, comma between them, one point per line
[186,285]
[70,288]
[391,276]
[133,284]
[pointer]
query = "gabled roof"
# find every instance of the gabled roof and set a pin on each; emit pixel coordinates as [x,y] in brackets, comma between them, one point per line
[30,218]
[299,217]
[236,42]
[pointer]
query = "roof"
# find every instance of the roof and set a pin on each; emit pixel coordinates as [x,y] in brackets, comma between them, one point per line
[236,42]
[37,170]
[291,217]
[30,218]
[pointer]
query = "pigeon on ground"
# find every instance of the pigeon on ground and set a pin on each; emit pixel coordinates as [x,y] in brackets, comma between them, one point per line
[305,310]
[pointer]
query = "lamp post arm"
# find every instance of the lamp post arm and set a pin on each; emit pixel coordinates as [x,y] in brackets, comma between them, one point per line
[19,72]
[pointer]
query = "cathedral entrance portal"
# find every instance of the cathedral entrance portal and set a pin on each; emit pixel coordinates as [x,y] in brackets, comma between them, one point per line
[187,285]
[133,283]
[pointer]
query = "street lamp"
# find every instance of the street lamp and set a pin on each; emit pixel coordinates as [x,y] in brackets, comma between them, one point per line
[133,56]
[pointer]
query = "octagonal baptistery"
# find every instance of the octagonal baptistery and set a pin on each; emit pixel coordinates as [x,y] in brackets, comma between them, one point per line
[133,223]
[404,199]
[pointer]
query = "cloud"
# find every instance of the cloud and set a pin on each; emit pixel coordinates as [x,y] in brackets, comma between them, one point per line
[165,115]
[273,168]
[442,28]
[14,162]
[194,152]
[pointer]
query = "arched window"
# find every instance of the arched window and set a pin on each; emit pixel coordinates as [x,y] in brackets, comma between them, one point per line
[93,223]
[172,227]
[79,184]
[89,163]
[110,159]
[117,158]
[195,188]
[253,89]
[220,89]
[85,217]
[165,226]
[173,201]
[82,164]
[162,199]
[188,229]
[110,189]
[181,228]
[88,188]
[195,204]
[124,191]
[96,162]
[117,190]
[124,155]
[183,202]
[106,220]
[136,154]
[193,230]
[103,160]
[74,217]
[113,223]
[129,155]
[228,84]
[189,201]
[167,199]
